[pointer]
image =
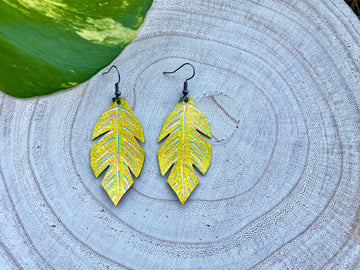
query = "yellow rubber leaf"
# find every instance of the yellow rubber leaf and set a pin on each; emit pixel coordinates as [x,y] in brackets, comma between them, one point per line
[118,152]
[184,147]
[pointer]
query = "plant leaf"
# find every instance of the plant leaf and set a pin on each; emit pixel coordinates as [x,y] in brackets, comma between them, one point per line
[47,46]
[118,152]
[184,147]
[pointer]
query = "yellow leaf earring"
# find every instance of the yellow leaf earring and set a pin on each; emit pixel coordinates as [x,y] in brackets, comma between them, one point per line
[184,146]
[118,152]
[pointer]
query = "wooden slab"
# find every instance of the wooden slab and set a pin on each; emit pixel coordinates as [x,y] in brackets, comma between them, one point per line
[279,82]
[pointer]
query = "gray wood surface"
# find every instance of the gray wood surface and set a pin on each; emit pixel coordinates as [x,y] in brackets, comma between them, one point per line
[279,82]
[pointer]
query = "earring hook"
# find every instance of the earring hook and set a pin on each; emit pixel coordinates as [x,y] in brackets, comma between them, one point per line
[117,92]
[192,76]
[185,90]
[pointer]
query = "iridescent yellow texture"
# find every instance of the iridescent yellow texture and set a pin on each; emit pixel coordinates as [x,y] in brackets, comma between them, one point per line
[118,151]
[184,147]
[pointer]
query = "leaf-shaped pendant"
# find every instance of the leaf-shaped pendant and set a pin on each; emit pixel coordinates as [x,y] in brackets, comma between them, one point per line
[118,151]
[184,147]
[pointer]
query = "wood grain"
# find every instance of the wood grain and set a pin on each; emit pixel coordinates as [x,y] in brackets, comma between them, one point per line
[279,82]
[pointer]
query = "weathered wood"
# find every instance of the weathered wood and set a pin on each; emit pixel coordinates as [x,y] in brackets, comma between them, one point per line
[279,82]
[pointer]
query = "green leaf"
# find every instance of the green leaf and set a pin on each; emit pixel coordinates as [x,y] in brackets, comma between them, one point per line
[46,46]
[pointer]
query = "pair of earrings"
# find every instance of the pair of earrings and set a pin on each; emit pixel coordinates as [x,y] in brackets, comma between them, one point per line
[120,155]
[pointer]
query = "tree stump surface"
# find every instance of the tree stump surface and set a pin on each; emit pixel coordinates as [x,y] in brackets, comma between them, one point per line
[279,82]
